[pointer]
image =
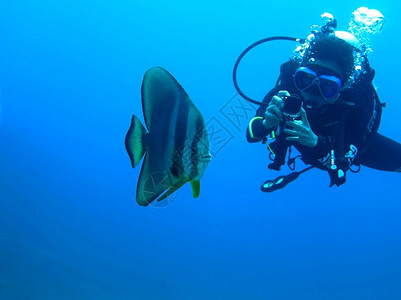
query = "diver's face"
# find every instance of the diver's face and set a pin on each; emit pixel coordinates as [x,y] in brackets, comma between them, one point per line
[322,67]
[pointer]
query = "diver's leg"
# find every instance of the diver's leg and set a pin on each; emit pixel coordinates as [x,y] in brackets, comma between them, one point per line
[382,153]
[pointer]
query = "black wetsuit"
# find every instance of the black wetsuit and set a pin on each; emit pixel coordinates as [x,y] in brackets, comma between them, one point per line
[347,128]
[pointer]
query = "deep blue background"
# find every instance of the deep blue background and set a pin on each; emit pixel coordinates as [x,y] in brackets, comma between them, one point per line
[69,225]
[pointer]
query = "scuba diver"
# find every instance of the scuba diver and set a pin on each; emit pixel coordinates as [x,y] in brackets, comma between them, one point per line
[325,105]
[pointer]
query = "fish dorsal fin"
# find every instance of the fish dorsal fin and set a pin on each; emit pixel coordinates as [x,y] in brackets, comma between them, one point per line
[155,100]
[195,188]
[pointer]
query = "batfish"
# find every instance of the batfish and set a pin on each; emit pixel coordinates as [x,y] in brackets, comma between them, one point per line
[175,144]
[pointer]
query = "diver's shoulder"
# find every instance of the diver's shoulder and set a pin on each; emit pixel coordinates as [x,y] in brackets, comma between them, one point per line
[289,67]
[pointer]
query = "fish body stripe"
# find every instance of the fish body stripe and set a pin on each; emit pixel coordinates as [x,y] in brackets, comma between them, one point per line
[181,125]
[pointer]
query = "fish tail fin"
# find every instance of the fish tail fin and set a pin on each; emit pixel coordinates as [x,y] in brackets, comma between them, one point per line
[134,141]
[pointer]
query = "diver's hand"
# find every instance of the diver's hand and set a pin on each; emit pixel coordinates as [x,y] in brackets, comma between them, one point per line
[301,131]
[273,113]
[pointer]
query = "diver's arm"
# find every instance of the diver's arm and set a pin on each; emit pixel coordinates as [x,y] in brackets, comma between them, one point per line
[256,132]
[259,127]
[266,119]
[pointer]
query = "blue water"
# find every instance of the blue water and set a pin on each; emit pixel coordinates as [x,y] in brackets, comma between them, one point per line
[70,77]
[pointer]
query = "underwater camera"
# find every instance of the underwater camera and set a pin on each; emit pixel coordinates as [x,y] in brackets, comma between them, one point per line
[292,107]
[291,111]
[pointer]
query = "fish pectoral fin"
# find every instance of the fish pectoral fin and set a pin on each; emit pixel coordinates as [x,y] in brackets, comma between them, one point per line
[195,188]
[134,141]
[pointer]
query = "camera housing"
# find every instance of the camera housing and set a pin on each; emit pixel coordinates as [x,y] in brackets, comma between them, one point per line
[292,107]
[291,111]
